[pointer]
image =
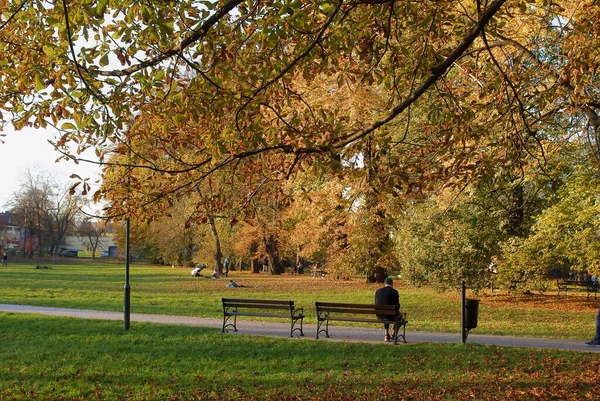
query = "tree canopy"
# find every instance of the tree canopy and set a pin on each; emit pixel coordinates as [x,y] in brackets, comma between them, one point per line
[219,100]
[188,87]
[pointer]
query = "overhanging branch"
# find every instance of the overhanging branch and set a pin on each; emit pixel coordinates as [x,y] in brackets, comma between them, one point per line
[436,73]
[175,50]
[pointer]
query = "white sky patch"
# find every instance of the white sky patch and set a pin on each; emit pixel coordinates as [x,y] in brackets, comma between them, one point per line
[29,149]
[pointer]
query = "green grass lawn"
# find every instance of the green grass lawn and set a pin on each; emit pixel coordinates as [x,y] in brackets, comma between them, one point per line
[56,358]
[173,291]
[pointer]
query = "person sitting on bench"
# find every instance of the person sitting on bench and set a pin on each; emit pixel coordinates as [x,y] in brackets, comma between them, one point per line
[387,295]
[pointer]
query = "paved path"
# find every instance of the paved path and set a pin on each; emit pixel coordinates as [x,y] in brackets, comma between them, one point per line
[273,329]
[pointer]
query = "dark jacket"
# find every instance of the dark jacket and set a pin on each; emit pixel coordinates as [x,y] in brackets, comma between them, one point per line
[387,296]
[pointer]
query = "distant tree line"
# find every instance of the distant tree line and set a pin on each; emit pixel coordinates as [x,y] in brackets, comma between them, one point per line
[540,223]
[47,212]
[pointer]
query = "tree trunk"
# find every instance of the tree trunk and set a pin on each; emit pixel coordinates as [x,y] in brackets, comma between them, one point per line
[218,253]
[298,249]
[255,266]
[377,276]
[272,255]
[516,214]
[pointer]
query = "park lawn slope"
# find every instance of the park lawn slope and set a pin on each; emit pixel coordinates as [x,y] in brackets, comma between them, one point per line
[50,358]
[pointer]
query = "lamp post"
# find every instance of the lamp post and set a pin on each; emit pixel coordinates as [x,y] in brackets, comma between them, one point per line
[127,289]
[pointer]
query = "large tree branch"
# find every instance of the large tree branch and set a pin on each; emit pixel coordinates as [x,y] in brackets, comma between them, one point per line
[293,63]
[177,49]
[13,15]
[436,73]
[588,108]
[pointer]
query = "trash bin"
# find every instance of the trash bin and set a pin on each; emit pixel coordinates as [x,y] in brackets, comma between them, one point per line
[471,312]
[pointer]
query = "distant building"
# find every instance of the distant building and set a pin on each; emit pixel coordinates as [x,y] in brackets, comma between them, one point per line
[11,234]
[14,238]
[82,243]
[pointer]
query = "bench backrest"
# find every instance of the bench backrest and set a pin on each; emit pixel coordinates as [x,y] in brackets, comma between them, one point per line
[257,303]
[360,309]
[566,281]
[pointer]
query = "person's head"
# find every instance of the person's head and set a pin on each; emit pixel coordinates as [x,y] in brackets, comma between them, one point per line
[388,282]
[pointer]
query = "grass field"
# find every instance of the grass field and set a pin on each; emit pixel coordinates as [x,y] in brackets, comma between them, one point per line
[56,358]
[173,291]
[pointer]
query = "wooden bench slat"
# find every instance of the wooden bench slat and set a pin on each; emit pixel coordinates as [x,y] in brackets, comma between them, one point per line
[366,311]
[260,301]
[257,306]
[256,314]
[360,306]
[359,319]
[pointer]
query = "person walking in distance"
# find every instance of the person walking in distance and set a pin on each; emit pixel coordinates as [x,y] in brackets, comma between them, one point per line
[226,265]
[387,295]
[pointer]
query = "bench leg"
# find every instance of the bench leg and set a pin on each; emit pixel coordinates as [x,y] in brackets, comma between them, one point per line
[226,323]
[297,328]
[397,331]
[320,329]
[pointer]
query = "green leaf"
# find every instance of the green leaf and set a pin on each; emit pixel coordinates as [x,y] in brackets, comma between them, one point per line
[68,127]
[167,26]
[104,61]
[101,7]
[146,14]
[39,82]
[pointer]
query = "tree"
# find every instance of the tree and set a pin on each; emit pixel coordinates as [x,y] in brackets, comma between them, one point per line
[30,206]
[245,246]
[565,236]
[94,232]
[174,242]
[65,210]
[46,210]
[141,242]
[453,235]
[263,215]
[443,247]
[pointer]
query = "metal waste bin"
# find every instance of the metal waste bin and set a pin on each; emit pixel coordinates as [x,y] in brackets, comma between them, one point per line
[471,313]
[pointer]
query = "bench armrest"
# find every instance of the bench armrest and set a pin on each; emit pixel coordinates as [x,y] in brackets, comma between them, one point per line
[298,311]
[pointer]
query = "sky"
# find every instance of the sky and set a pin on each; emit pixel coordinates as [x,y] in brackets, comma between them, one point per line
[29,149]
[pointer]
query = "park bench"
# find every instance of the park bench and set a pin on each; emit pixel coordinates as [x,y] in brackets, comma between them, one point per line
[234,307]
[565,285]
[367,313]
